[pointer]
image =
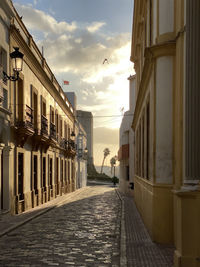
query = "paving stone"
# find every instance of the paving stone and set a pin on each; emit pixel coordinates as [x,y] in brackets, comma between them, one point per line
[73,234]
[140,250]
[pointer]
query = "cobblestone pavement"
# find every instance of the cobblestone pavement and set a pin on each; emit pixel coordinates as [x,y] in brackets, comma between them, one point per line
[140,250]
[84,231]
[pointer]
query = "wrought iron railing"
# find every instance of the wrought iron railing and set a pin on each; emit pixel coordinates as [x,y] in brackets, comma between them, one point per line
[44,125]
[29,116]
[53,131]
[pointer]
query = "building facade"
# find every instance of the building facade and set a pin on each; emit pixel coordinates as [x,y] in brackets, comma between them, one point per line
[6,13]
[126,144]
[39,162]
[165,54]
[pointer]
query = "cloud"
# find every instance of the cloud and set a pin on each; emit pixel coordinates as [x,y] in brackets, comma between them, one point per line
[95,26]
[75,51]
[38,20]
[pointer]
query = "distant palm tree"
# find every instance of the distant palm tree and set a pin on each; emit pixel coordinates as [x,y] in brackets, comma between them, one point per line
[106,153]
[113,161]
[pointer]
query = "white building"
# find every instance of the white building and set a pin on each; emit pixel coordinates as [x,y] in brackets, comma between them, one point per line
[81,141]
[126,151]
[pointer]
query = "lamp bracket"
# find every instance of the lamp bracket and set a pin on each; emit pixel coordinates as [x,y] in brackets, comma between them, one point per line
[12,78]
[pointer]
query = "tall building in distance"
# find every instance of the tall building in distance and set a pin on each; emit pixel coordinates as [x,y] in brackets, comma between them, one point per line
[86,120]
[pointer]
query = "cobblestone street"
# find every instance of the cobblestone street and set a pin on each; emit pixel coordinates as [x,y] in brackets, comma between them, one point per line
[83,231]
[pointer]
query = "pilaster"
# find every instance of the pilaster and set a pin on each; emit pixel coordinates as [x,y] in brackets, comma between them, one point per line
[192,95]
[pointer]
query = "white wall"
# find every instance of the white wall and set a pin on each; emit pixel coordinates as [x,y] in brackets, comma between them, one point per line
[154,11]
[164,85]
[166,16]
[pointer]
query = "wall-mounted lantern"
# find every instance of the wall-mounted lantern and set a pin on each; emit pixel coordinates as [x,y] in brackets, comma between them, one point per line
[17,64]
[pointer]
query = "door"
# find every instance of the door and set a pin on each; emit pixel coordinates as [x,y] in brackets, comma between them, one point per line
[35,173]
[50,172]
[21,176]
[1,180]
[57,176]
[44,173]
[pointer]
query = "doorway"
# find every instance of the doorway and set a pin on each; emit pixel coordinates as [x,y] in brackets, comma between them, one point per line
[21,176]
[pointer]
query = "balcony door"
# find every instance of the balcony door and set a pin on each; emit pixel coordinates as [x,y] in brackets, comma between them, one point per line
[35,112]
[20,99]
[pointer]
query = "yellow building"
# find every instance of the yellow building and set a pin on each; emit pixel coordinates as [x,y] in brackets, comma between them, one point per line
[40,162]
[165,53]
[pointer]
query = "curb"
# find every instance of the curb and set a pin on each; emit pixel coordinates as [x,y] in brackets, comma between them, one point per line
[123,258]
[47,209]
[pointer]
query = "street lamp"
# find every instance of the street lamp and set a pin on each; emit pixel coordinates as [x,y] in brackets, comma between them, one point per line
[17,64]
[86,150]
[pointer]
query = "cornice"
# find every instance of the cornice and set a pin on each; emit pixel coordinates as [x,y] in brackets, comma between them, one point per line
[151,53]
[38,70]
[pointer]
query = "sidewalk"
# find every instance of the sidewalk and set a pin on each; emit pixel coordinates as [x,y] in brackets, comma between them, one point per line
[140,250]
[9,222]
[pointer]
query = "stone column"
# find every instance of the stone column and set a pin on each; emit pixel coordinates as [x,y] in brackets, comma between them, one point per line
[192,94]
[1,149]
[8,171]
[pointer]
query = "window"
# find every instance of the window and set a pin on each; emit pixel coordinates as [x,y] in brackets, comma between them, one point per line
[43,107]
[52,119]
[61,127]
[34,103]
[3,59]
[69,132]
[20,99]
[5,98]
[56,122]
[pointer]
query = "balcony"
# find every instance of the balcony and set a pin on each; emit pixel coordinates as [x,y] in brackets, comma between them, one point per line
[70,148]
[44,125]
[41,137]
[24,128]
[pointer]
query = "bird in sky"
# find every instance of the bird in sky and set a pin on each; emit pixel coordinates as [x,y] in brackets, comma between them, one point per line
[105,60]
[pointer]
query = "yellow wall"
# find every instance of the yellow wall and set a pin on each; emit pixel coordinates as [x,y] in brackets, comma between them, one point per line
[186,207]
[155,204]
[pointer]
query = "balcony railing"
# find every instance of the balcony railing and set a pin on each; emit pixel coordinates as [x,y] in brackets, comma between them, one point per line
[29,116]
[44,125]
[53,131]
[28,120]
[71,144]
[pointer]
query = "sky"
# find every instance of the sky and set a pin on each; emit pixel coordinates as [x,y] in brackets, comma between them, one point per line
[76,36]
